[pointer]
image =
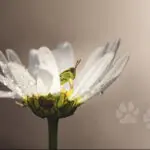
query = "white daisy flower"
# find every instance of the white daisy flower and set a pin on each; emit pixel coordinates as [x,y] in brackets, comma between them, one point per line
[51,85]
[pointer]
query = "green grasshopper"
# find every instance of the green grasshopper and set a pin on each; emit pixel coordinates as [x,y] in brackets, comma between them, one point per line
[69,75]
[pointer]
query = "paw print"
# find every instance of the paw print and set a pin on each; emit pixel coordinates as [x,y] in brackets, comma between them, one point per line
[127,113]
[146,119]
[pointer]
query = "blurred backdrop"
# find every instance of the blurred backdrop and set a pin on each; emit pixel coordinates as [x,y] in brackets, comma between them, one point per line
[86,24]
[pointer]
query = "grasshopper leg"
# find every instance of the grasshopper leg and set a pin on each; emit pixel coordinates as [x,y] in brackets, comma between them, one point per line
[71,83]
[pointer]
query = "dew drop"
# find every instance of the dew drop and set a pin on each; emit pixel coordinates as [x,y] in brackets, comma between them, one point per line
[11,80]
[22,76]
[31,83]
[24,86]
[4,82]
[18,90]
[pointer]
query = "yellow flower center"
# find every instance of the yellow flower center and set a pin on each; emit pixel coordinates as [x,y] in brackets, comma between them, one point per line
[52,105]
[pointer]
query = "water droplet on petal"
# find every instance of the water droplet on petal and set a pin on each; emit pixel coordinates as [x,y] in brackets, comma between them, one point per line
[22,77]
[4,82]
[31,83]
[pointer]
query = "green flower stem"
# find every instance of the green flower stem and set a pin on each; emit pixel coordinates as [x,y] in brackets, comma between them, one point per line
[52,131]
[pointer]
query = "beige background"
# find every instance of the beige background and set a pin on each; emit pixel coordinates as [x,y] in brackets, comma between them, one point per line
[86,24]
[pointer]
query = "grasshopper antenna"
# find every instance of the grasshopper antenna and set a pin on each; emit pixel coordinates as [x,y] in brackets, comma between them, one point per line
[77,63]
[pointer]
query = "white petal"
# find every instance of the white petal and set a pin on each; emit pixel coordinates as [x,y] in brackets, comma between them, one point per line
[4,68]
[3,65]
[99,71]
[113,47]
[93,74]
[3,58]
[44,81]
[6,94]
[12,56]
[11,85]
[48,62]
[109,78]
[114,73]
[23,78]
[94,57]
[64,56]
[33,67]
